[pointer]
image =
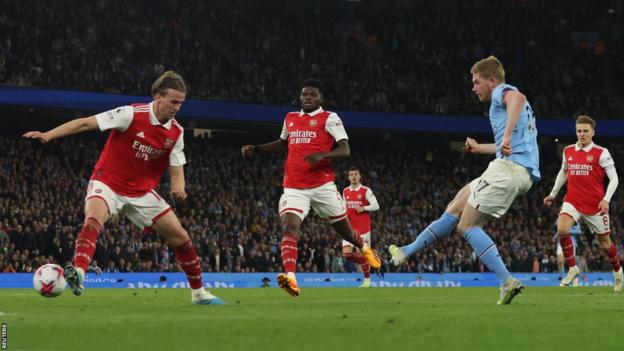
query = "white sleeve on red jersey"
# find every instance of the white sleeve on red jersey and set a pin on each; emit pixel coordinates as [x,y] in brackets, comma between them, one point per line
[284,135]
[372,200]
[119,118]
[613,183]
[335,128]
[176,158]
[606,161]
[562,176]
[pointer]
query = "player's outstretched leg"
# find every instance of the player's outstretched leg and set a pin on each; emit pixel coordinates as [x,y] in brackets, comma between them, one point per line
[287,281]
[83,254]
[443,226]
[438,229]
[567,246]
[611,252]
[189,262]
[343,227]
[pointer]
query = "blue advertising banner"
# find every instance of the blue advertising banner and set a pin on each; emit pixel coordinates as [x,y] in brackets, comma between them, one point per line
[229,111]
[307,280]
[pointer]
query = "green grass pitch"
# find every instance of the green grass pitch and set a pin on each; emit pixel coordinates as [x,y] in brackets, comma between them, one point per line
[320,319]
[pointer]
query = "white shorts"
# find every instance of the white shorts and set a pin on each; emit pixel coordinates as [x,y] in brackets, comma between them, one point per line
[366,237]
[560,250]
[142,211]
[325,200]
[598,224]
[494,192]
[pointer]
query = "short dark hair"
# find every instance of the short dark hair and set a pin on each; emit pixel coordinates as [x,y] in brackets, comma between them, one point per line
[313,83]
[168,80]
[587,120]
[354,168]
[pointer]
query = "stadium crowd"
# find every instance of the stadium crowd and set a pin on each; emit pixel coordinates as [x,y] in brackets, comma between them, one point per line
[231,211]
[393,56]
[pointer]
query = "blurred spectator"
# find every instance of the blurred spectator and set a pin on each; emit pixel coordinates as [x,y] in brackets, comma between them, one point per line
[231,211]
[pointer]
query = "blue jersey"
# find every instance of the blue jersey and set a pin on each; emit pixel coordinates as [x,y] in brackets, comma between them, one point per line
[576,230]
[524,150]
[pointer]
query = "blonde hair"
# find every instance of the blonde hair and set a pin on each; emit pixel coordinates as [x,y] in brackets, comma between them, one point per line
[488,68]
[168,80]
[586,120]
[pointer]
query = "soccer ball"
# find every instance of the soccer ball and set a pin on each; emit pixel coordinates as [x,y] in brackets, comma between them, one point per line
[49,280]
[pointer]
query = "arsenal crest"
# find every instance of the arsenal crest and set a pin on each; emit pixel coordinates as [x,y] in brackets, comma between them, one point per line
[313,122]
[168,143]
[590,158]
[359,197]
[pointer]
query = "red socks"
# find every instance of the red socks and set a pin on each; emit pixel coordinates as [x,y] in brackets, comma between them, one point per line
[288,248]
[568,249]
[358,258]
[85,245]
[187,257]
[613,257]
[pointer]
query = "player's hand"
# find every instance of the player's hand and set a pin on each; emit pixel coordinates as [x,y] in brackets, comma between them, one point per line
[247,150]
[604,207]
[314,158]
[360,209]
[506,146]
[42,137]
[471,145]
[548,200]
[178,194]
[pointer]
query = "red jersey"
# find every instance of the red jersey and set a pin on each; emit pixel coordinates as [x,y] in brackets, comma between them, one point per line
[306,134]
[586,169]
[138,149]
[361,196]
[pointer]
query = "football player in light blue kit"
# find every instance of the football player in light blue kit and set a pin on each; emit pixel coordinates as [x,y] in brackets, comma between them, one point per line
[511,174]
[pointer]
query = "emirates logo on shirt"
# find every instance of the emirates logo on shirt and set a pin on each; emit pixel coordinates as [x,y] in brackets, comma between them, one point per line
[146,152]
[301,136]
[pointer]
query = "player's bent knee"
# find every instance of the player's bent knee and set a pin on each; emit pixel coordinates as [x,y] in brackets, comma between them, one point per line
[93,223]
[291,228]
[464,227]
[178,237]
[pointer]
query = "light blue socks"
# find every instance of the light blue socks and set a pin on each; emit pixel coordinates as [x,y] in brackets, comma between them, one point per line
[438,229]
[487,252]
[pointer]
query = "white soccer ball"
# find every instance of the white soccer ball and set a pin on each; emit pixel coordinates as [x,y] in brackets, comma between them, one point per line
[49,280]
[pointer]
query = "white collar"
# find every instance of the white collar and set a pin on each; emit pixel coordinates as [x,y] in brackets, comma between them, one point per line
[313,113]
[356,188]
[586,148]
[154,121]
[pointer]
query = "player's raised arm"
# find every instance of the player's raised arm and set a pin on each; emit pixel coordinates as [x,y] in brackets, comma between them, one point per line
[72,127]
[474,147]
[119,118]
[515,101]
